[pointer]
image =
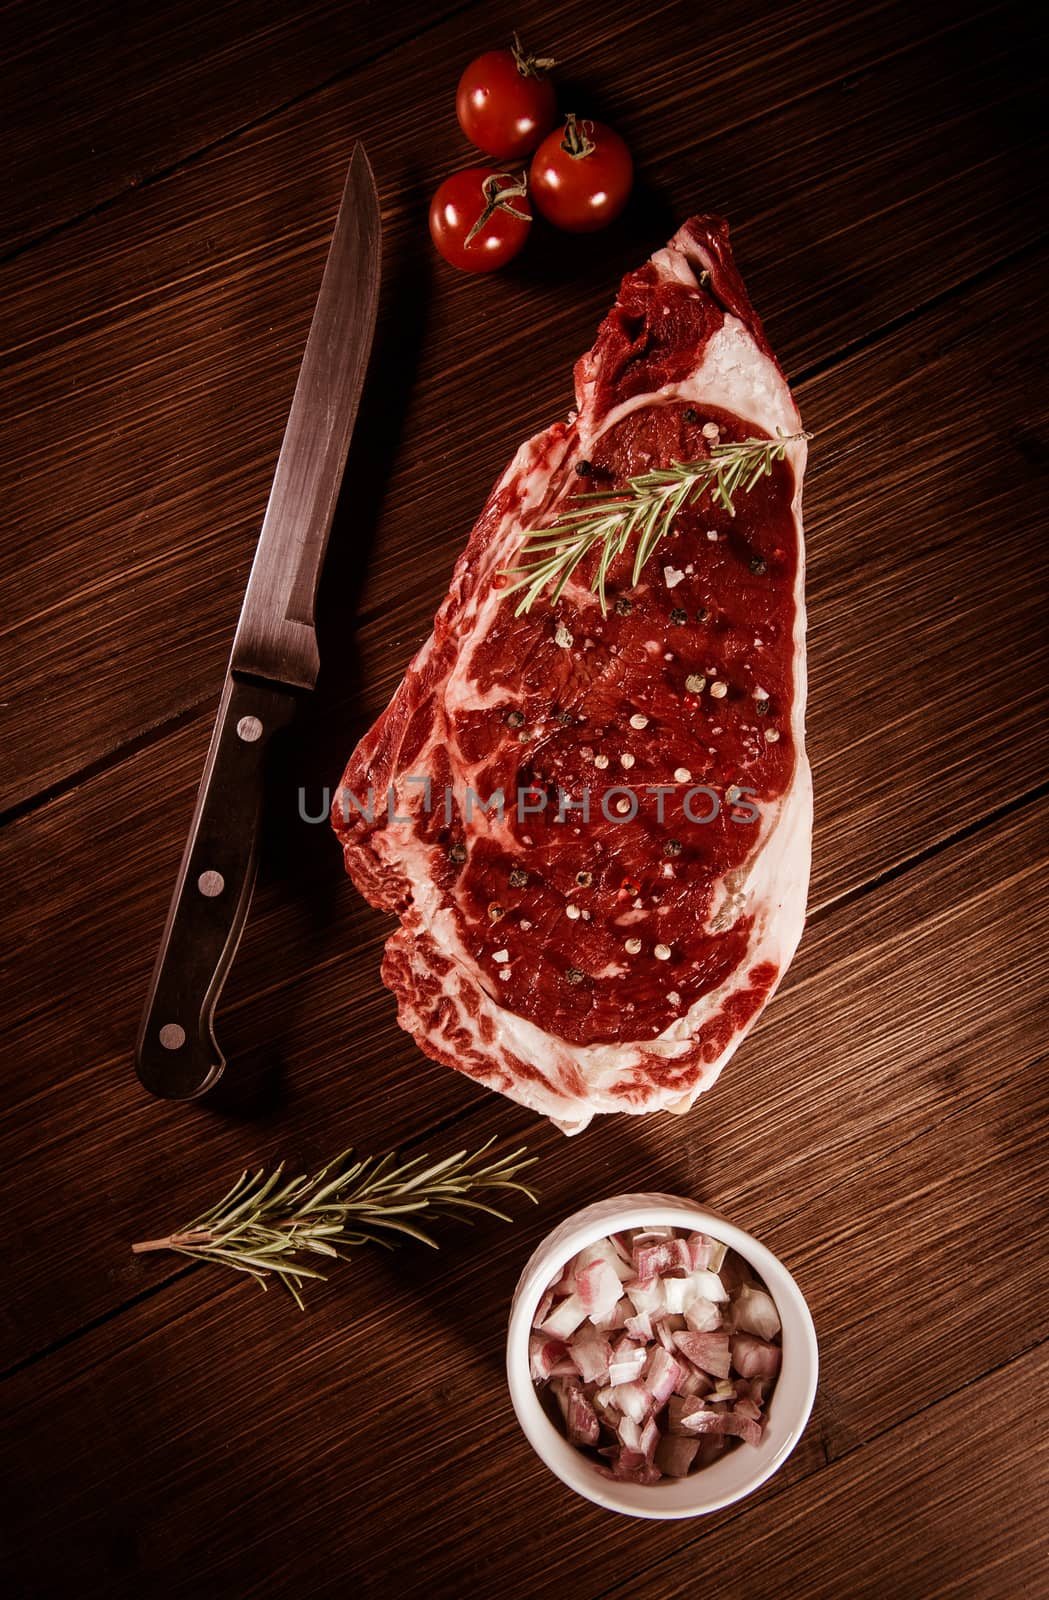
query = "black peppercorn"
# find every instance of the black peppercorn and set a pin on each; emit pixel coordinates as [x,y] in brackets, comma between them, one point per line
[584,469]
[624,607]
[518,878]
[758,565]
[690,414]
[514,719]
[673,847]
[457,853]
[678,616]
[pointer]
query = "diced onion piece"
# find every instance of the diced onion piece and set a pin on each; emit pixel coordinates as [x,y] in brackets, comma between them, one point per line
[632,1466]
[754,1358]
[661,1375]
[640,1326]
[591,1350]
[661,1256]
[580,1416]
[629,1433]
[544,1355]
[646,1296]
[650,1437]
[616,1318]
[754,1311]
[709,1351]
[724,1389]
[605,1250]
[742,1427]
[710,1286]
[692,1415]
[598,1287]
[633,1400]
[693,1381]
[674,1455]
[565,1318]
[702,1315]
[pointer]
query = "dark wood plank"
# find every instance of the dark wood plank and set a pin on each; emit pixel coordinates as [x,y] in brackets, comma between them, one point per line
[315,1424]
[139,473]
[115,77]
[952,1534]
[134,90]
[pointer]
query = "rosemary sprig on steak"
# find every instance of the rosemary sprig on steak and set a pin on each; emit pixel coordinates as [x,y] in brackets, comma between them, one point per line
[644,510]
[265,1226]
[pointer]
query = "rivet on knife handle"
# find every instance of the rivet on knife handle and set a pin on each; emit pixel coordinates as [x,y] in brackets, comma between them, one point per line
[177,1055]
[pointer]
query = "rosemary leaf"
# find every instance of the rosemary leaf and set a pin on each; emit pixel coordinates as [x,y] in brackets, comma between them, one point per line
[645,509]
[263,1226]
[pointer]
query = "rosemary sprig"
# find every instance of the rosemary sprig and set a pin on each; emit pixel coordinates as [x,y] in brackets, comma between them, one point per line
[264,1225]
[644,510]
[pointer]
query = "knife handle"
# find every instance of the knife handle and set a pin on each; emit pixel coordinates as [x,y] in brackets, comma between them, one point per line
[177,1056]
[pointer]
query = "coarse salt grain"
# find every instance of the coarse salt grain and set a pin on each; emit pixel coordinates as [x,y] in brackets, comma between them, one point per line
[712,535]
[526,927]
[501,955]
[504,972]
[562,637]
[672,577]
[760,693]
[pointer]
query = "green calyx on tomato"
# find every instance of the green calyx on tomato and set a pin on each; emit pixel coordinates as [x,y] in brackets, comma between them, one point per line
[497,199]
[530,66]
[576,143]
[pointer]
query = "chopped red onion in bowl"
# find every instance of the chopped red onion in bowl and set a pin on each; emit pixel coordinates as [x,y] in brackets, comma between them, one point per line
[656,1349]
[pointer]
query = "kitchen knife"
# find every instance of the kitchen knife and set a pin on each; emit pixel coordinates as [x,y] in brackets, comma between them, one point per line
[274,660]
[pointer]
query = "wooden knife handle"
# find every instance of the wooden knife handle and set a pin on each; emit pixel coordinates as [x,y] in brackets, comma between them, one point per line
[177,1055]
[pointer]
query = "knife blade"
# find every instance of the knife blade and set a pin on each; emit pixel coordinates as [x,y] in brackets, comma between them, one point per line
[273,661]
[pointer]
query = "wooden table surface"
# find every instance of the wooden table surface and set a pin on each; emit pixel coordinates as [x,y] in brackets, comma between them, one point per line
[174,174]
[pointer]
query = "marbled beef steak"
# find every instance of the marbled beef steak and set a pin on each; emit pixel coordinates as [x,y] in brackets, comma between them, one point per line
[604,938]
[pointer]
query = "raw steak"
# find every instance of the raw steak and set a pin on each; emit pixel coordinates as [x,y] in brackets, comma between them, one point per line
[609,962]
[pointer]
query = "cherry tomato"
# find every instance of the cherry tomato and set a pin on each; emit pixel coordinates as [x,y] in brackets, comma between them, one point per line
[479,219]
[505,103]
[581,176]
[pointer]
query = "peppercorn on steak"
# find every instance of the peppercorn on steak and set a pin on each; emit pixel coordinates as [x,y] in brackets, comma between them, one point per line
[588,802]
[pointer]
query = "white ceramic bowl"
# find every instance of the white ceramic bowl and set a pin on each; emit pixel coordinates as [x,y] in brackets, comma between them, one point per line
[738,1471]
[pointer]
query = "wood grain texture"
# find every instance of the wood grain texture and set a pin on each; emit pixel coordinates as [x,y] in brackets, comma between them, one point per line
[314,1394]
[134,90]
[173,1432]
[135,343]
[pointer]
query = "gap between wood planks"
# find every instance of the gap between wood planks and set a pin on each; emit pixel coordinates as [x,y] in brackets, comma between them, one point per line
[170,725]
[304,96]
